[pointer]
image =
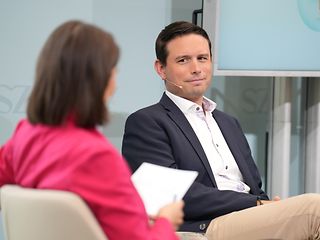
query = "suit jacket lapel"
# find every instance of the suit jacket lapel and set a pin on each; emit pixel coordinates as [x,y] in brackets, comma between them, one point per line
[178,117]
[232,141]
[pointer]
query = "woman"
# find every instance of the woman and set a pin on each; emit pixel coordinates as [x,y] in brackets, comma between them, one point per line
[58,147]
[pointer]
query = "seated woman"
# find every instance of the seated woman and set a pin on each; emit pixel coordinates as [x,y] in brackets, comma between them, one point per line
[58,146]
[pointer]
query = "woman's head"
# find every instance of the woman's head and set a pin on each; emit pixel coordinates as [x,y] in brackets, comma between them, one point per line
[74,70]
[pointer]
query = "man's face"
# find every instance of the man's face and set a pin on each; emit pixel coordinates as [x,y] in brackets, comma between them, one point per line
[189,66]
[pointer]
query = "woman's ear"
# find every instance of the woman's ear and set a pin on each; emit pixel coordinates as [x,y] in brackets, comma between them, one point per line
[111,87]
[160,69]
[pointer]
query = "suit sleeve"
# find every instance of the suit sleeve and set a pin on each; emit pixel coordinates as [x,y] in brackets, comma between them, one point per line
[149,139]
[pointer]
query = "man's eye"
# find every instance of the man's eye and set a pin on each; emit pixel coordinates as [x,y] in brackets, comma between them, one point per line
[182,60]
[203,58]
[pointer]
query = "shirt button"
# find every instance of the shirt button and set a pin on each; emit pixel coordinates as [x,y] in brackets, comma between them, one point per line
[197,108]
[226,167]
[202,226]
[217,145]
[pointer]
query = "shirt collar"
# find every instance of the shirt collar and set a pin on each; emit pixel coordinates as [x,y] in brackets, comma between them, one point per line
[186,105]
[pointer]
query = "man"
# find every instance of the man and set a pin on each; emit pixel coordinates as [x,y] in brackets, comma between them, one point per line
[186,131]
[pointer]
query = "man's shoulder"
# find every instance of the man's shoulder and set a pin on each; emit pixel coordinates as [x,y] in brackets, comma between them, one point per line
[148,109]
[219,113]
[224,118]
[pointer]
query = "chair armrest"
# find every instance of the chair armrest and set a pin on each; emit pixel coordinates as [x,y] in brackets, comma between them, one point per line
[191,236]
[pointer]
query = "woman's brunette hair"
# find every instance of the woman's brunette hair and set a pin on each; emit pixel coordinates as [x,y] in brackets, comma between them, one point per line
[72,73]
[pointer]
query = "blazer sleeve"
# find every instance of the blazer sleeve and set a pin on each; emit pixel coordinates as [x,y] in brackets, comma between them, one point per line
[152,137]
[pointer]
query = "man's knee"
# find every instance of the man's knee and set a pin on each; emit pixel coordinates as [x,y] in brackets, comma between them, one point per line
[310,203]
[311,198]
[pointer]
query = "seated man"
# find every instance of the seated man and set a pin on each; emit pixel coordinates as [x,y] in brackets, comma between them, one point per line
[186,131]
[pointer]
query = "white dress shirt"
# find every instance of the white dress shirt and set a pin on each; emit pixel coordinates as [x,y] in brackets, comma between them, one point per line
[221,160]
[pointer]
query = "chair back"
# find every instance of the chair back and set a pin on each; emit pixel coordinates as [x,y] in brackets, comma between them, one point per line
[38,214]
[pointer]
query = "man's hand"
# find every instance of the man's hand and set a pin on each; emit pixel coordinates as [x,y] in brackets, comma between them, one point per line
[263,202]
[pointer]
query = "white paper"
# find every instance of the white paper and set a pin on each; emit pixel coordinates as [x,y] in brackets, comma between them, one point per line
[159,185]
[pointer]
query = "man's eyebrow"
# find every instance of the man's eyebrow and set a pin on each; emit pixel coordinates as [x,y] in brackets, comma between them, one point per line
[204,54]
[182,56]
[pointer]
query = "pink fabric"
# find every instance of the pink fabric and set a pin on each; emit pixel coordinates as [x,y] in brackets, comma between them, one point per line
[81,161]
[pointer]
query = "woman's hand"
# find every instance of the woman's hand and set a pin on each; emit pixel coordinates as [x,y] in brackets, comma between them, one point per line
[173,212]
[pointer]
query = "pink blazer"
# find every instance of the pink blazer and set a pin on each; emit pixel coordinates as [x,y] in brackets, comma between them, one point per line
[81,161]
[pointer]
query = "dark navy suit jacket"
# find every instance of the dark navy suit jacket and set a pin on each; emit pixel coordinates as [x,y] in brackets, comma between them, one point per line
[161,134]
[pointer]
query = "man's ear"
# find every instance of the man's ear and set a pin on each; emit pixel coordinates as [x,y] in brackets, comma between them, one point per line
[160,69]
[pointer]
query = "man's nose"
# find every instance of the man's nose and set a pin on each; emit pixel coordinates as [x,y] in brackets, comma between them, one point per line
[195,67]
